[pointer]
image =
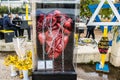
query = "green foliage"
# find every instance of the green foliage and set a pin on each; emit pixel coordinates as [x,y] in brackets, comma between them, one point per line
[86,12]
[17,10]
[106,12]
[4,10]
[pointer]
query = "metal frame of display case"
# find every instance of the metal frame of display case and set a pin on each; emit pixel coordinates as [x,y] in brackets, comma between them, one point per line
[35,57]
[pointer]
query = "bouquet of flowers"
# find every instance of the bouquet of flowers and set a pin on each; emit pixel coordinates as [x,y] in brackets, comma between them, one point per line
[25,64]
[21,64]
[11,60]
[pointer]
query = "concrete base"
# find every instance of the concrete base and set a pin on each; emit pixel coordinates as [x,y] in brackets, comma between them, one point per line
[115,60]
[10,47]
[37,75]
[86,54]
[115,50]
[115,54]
[6,46]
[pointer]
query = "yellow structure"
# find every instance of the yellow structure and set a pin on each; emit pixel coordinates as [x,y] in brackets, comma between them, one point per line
[26,11]
[103,56]
[6,31]
[76,39]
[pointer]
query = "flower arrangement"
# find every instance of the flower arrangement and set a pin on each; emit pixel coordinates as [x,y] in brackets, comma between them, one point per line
[29,54]
[25,64]
[22,64]
[87,40]
[11,60]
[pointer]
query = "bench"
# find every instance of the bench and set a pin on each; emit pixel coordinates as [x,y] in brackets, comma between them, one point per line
[7,35]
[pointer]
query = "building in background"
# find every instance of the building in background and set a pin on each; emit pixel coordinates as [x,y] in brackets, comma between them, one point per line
[13,3]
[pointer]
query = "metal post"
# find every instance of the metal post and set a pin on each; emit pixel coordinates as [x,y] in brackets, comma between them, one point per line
[0,2]
[8,6]
[26,5]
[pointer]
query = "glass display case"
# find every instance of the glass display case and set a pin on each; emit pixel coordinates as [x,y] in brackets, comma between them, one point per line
[53,39]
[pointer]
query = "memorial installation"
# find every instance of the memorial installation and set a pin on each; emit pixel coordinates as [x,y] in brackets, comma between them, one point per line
[103,44]
[54,40]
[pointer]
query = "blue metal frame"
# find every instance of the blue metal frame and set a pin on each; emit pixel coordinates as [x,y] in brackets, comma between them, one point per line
[93,8]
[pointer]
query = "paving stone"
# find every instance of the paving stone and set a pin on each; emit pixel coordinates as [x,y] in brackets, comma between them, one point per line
[86,54]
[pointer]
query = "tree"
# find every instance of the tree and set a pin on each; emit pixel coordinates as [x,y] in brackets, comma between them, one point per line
[17,10]
[85,11]
[3,9]
[106,12]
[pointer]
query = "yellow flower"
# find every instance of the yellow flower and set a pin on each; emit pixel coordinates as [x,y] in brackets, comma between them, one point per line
[24,64]
[21,76]
[29,54]
[21,64]
[10,60]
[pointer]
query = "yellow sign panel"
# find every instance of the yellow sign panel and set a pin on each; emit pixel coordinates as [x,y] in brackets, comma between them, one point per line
[26,11]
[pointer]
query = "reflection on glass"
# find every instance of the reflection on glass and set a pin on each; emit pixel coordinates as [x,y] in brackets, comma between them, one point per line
[55,34]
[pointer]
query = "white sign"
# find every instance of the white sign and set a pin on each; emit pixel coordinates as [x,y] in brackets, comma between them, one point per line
[46,64]
[41,65]
[49,64]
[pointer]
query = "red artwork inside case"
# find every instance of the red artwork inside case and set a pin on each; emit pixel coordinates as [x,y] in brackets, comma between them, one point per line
[53,31]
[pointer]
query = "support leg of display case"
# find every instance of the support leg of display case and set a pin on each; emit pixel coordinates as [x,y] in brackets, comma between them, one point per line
[37,75]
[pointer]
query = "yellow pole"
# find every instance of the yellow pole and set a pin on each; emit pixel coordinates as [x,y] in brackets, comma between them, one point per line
[103,56]
[76,39]
[105,33]
[26,11]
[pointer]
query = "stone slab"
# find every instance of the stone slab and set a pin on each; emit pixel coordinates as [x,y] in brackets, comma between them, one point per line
[115,50]
[115,60]
[10,47]
[6,46]
[86,54]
